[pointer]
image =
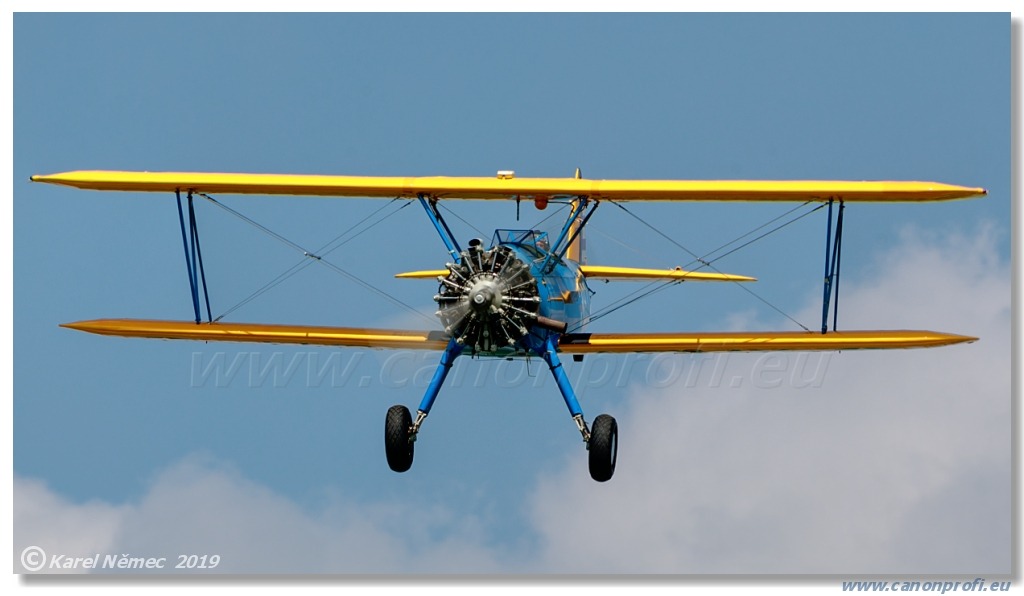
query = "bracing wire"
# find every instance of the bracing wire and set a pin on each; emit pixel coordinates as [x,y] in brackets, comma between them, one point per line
[535,226]
[553,213]
[318,259]
[704,261]
[655,287]
[764,225]
[323,251]
[462,219]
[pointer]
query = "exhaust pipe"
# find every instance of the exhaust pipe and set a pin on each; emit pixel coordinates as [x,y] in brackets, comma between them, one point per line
[551,324]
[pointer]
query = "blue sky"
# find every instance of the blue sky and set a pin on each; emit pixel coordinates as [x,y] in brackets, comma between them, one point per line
[110,423]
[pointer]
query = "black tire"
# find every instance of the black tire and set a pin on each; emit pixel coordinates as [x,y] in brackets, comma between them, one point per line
[397,444]
[604,447]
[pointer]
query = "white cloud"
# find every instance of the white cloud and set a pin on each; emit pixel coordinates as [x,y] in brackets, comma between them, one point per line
[42,518]
[202,506]
[898,463]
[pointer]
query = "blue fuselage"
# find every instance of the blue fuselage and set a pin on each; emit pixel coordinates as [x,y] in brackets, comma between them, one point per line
[562,289]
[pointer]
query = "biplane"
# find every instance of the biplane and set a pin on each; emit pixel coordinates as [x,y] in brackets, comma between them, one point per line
[524,294]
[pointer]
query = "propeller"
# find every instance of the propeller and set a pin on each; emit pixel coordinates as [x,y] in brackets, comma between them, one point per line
[489,299]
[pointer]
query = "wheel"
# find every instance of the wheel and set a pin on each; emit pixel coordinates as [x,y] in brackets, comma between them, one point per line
[604,445]
[397,444]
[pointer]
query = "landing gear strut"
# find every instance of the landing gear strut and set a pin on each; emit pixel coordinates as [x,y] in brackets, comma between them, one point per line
[603,440]
[399,428]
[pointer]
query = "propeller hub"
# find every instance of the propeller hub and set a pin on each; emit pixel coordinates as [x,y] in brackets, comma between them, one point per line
[485,293]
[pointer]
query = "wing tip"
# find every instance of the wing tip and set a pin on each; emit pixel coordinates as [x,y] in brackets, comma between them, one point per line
[961,339]
[86,326]
[970,192]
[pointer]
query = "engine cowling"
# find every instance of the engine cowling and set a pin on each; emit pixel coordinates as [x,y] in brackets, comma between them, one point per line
[488,300]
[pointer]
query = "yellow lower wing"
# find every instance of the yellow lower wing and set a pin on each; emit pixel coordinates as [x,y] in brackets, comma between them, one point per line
[273,334]
[509,187]
[572,343]
[758,341]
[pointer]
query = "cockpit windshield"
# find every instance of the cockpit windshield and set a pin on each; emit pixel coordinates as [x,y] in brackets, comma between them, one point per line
[533,241]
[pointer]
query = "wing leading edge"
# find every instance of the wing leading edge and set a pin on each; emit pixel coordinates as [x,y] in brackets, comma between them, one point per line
[504,188]
[571,343]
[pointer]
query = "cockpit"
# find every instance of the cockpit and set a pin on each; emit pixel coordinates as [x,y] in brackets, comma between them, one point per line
[533,241]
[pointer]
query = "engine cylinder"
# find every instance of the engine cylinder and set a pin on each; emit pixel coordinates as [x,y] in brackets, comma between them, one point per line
[488,300]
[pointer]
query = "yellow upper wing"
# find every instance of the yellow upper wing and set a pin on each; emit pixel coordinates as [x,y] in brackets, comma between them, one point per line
[505,187]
